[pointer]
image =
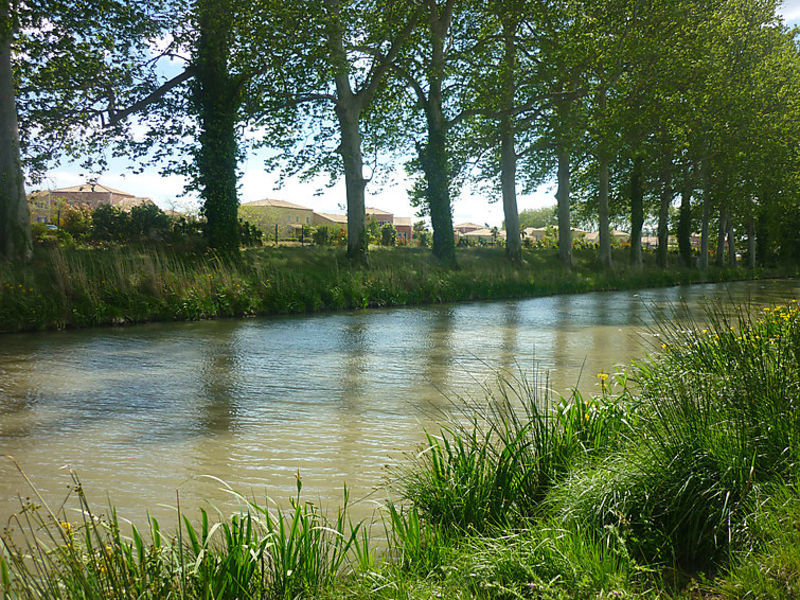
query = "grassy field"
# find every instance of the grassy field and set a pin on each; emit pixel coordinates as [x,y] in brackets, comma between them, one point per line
[679,480]
[64,288]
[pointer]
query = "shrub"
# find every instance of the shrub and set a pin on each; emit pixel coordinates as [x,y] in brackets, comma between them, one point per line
[76,219]
[250,235]
[388,235]
[147,221]
[322,236]
[109,223]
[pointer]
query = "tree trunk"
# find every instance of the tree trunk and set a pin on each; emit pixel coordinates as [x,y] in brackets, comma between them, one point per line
[438,191]
[508,182]
[685,228]
[751,243]
[216,100]
[722,229]
[435,159]
[562,199]
[731,244]
[350,149]
[602,211]
[763,238]
[348,112]
[508,152]
[704,228]
[663,219]
[637,211]
[15,225]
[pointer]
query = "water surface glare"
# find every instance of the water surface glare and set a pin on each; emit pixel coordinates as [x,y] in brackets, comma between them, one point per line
[144,411]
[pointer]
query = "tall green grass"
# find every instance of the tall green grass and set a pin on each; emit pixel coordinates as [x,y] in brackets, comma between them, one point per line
[496,470]
[84,287]
[264,552]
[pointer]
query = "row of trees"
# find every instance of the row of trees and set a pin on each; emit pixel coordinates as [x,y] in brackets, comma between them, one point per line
[629,104]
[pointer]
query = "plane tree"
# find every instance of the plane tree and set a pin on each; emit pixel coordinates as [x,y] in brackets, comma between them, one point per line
[325,110]
[58,59]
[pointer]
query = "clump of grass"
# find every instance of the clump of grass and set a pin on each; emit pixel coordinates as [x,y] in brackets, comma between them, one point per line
[264,552]
[496,470]
[719,421]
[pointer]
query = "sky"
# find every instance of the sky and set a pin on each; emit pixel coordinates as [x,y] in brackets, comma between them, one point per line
[257,184]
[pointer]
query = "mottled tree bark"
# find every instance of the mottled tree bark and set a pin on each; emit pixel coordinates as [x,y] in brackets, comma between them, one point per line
[731,244]
[602,212]
[704,228]
[685,228]
[355,184]
[435,159]
[435,166]
[637,210]
[15,226]
[562,199]
[216,100]
[508,152]
[722,230]
[751,243]
[665,200]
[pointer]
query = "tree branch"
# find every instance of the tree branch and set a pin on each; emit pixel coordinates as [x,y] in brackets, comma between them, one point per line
[116,117]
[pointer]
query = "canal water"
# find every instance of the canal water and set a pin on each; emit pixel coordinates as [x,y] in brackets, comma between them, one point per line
[144,413]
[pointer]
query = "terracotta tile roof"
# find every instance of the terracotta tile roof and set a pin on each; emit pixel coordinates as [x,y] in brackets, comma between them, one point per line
[275,204]
[92,187]
[336,218]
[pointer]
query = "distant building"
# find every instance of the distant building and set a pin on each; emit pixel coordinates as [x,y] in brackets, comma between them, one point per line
[484,234]
[329,220]
[404,228]
[45,205]
[381,216]
[463,228]
[267,214]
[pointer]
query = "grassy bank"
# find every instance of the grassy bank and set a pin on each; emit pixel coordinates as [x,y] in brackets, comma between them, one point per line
[65,288]
[680,479]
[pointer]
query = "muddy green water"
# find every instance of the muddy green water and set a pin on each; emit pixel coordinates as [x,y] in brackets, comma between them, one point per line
[143,412]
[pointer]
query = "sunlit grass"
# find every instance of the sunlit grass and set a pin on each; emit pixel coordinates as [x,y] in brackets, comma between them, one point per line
[84,287]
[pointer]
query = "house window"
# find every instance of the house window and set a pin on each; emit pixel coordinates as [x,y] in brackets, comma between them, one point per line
[297,219]
[306,220]
[289,218]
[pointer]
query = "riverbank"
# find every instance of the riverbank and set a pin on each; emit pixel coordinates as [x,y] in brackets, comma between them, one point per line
[680,479]
[65,288]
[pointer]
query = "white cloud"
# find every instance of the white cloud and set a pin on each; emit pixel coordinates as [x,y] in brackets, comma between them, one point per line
[790,10]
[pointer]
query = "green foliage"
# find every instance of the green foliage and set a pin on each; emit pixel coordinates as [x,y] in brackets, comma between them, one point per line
[388,235]
[280,554]
[250,235]
[538,217]
[76,220]
[496,471]
[86,287]
[322,236]
[109,223]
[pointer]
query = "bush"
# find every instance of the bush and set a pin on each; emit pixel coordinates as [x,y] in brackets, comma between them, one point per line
[322,236]
[50,237]
[147,221]
[109,224]
[76,219]
[388,235]
[250,235]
